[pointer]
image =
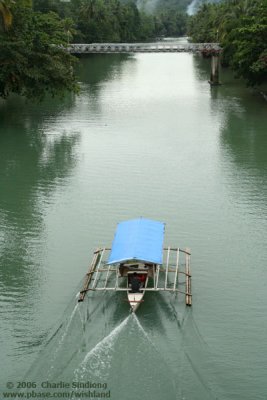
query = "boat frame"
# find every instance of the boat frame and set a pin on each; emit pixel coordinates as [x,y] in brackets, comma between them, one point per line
[102,276]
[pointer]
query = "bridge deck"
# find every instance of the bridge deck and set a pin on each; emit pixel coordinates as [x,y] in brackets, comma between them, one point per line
[212,48]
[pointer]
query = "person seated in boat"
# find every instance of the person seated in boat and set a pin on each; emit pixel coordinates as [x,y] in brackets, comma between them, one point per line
[142,279]
[135,283]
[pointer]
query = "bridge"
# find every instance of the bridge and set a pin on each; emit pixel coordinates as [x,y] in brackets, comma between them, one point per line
[164,47]
[208,49]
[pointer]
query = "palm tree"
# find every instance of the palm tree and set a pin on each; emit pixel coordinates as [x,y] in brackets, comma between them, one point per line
[6,16]
[231,14]
[68,28]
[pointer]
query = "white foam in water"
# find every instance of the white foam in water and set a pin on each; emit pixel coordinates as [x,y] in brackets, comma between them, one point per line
[68,324]
[98,359]
[142,329]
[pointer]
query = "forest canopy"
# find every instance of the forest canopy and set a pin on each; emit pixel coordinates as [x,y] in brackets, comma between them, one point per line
[241,28]
[32,60]
[119,20]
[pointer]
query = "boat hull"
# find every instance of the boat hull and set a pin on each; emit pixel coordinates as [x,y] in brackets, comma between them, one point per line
[135,299]
[136,291]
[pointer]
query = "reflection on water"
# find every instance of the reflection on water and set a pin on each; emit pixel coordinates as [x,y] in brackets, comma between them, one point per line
[243,139]
[27,176]
[244,143]
[32,166]
[98,68]
[94,72]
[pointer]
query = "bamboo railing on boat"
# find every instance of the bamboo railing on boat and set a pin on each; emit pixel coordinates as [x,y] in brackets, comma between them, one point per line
[105,277]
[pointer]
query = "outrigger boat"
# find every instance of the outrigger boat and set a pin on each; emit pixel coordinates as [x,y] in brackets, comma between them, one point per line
[138,263]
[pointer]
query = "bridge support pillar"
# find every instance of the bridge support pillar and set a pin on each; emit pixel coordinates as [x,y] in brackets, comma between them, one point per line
[214,75]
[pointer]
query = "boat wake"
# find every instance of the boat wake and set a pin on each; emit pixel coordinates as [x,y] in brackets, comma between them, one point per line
[128,350]
[98,360]
[162,350]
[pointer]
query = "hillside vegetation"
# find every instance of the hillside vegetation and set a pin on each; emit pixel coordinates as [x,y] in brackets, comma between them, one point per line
[241,28]
[119,20]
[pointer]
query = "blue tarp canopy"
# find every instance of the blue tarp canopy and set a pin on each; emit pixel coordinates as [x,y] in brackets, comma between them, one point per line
[138,239]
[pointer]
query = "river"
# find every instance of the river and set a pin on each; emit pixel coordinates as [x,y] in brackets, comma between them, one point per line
[147,136]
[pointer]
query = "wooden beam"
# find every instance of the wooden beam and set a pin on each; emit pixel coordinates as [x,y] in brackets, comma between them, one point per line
[98,263]
[120,289]
[176,248]
[176,269]
[188,296]
[167,267]
[88,276]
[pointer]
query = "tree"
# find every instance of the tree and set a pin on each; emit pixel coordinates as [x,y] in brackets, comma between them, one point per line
[68,26]
[250,57]
[241,28]
[33,61]
[6,16]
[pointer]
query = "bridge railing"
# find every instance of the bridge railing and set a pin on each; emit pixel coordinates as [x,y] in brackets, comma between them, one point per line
[79,48]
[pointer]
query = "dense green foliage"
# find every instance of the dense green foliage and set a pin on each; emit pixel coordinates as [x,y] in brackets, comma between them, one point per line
[6,16]
[241,28]
[111,21]
[169,16]
[118,20]
[32,62]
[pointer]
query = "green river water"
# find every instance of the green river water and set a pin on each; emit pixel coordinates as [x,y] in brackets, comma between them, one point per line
[147,136]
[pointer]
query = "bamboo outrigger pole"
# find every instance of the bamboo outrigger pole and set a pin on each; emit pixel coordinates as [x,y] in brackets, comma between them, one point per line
[88,276]
[188,296]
